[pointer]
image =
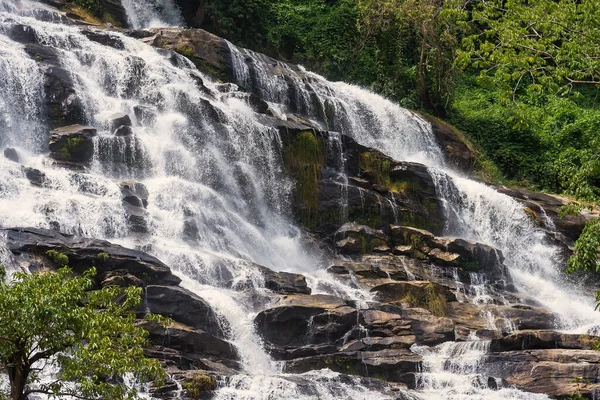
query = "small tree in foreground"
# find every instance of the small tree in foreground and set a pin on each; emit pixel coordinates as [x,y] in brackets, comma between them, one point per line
[90,337]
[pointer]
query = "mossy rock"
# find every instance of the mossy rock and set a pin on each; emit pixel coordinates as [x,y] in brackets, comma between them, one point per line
[304,158]
[199,383]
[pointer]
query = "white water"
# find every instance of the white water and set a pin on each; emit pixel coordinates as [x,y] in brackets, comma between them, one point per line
[223,175]
[473,210]
[144,14]
[456,371]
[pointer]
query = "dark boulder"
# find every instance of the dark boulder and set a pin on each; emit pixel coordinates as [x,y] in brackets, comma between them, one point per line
[284,282]
[298,320]
[35,176]
[352,238]
[188,341]
[543,339]
[394,365]
[118,120]
[182,306]
[134,193]
[72,143]
[11,154]
[84,253]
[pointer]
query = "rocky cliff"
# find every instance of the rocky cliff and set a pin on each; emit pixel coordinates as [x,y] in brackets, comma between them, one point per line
[390,283]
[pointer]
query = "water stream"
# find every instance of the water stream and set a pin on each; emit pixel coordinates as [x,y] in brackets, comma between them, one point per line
[218,195]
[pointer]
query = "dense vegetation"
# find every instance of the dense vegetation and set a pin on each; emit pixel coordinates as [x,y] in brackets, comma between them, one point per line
[520,78]
[52,320]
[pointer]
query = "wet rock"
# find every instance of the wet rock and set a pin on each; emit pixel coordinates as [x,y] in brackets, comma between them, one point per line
[62,103]
[83,253]
[419,292]
[353,238]
[123,131]
[72,143]
[210,53]
[187,340]
[284,282]
[144,114]
[115,10]
[298,320]
[118,120]
[137,218]
[104,38]
[383,324]
[35,176]
[475,256]
[470,317]
[134,193]
[555,372]
[429,329]
[395,365]
[182,306]
[368,270]
[539,339]
[459,152]
[11,154]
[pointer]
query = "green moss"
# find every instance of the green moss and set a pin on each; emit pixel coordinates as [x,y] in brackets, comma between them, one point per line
[415,220]
[103,257]
[304,158]
[377,165]
[470,266]
[70,146]
[199,383]
[185,50]
[429,298]
[58,257]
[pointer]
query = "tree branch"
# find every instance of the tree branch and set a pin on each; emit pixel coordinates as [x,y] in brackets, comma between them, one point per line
[50,393]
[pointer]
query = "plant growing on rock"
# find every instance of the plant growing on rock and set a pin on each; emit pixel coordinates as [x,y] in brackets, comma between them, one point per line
[54,319]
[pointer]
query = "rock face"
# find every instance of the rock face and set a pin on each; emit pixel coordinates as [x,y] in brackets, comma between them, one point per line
[459,152]
[72,143]
[108,258]
[548,362]
[543,210]
[379,191]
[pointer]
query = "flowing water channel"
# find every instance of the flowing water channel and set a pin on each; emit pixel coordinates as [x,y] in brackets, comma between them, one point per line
[209,164]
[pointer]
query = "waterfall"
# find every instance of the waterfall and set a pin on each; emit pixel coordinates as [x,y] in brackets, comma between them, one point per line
[142,14]
[218,195]
[456,371]
[473,210]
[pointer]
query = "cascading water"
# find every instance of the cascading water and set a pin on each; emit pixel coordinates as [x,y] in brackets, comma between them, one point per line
[473,210]
[218,195]
[152,13]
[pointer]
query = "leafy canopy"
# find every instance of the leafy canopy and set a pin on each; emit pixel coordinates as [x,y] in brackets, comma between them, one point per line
[54,318]
[551,45]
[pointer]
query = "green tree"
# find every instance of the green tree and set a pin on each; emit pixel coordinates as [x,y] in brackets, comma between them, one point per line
[54,318]
[551,45]
[435,27]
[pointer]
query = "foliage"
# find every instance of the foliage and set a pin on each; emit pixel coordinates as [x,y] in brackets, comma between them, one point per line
[545,141]
[59,258]
[542,45]
[94,7]
[54,318]
[198,384]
